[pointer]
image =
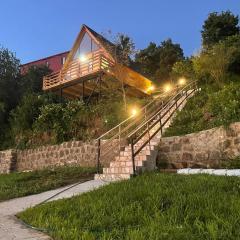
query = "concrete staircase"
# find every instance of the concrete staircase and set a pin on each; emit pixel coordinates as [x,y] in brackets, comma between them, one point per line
[122,167]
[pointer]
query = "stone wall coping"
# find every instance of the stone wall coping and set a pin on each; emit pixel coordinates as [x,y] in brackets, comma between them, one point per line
[211,171]
[189,135]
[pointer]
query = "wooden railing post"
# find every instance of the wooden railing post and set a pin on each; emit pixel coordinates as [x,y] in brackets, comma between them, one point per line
[100,61]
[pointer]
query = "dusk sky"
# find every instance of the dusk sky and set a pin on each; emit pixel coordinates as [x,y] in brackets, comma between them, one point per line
[38,28]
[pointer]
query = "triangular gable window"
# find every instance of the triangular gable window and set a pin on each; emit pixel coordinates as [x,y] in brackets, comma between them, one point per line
[86,46]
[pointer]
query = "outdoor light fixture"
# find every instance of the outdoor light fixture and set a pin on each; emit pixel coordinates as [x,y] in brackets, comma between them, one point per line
[134,112]
[151,88]
[182,81]
[167,88]
[82,58]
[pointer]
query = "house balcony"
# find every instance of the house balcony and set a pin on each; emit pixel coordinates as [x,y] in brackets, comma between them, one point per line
[88,65]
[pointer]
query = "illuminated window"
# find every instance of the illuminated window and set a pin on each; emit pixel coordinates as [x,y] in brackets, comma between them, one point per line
[87,46]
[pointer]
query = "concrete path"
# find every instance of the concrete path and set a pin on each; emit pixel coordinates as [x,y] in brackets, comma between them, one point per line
[12,229]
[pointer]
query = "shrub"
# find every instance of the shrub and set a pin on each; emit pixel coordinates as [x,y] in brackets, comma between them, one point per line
[209,108]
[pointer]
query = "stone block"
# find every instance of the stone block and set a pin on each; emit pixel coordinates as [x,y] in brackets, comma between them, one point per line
[226,144]
[176,147]
[164,149]
[185,140]
[188,148]
[237,141]
[186,157]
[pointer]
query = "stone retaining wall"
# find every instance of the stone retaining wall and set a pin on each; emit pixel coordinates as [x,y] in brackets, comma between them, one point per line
[7,161]
[68,153]
[203,149]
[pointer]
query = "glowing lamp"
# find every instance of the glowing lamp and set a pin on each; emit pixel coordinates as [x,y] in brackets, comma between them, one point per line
[151,88]
[134,112]
[182,81]
[167,88]
[83,58]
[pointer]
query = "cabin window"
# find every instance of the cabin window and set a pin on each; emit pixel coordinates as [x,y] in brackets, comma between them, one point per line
[63,59]
[87,46]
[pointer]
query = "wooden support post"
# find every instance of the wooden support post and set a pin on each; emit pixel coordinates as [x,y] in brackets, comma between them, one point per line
[100,80]
[61,93]
[83,89]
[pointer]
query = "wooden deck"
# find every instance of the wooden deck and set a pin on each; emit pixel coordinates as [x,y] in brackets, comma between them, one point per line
[77,69]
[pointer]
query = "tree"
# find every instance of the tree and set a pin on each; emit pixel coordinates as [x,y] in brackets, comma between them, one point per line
[214,62]
[234,43]
[170,53]
[156,62]
[125,47]
[9,86]
[183,68]
[33,79]
[218,26]
[146,60]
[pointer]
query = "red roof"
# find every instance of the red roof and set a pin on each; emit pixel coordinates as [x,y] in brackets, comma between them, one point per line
[54,62]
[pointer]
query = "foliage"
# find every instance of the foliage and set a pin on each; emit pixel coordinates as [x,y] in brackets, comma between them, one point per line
[210,108]
[169,54]
[76,120]
[153,206]
[27,183]
[126,47]
[215,62]
[156,61]
[146,60]
[31,81]
[218,26]
[23,117]
[231,163]
[183,68]
[9,94]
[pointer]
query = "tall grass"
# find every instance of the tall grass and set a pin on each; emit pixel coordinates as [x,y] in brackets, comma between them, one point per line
[154,206]
[22,184]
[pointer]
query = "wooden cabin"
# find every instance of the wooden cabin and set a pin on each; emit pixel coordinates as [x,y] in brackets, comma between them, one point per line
[92,62]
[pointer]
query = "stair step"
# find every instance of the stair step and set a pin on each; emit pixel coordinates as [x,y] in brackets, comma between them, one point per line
[125,163]
[129,153]
[118,170]
[122,167]
[112,177]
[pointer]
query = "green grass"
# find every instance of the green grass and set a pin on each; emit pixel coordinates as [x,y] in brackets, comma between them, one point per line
[154,206]
[231,163]
[22,184]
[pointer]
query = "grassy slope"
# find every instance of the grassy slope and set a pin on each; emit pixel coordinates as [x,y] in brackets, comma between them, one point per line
[210,108]
[155,206]
[21,184]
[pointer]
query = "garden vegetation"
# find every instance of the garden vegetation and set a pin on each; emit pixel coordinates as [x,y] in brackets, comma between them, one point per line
[174,207]
[29,117]
[27,183]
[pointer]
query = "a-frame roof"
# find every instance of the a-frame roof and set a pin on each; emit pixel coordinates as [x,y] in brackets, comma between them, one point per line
[108,46]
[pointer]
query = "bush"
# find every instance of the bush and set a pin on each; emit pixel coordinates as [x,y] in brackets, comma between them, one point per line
[209,108]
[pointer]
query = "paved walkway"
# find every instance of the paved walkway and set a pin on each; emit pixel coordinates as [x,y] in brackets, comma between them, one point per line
[12,229]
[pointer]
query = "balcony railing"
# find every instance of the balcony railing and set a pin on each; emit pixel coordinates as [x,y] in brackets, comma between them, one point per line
[77,69]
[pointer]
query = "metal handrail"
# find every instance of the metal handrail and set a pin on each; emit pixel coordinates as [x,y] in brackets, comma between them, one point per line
[171,98]
[119,135]
[150,123]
